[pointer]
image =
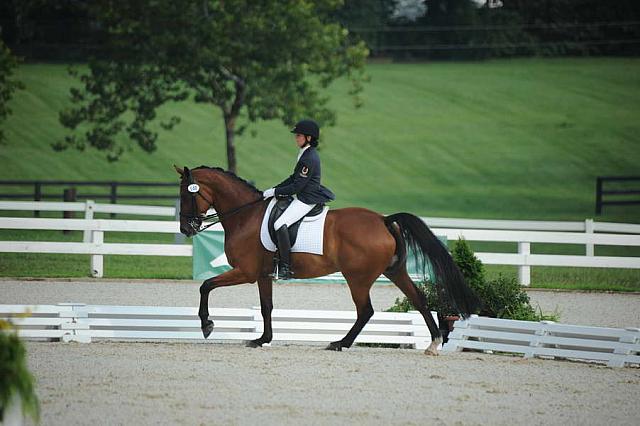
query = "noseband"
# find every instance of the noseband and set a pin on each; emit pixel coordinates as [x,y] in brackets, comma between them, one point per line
[195,219]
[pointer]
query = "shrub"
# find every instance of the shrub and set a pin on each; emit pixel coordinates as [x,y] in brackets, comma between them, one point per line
[502,297]
[471,267]
[505,298]
[435,301]
[15,377]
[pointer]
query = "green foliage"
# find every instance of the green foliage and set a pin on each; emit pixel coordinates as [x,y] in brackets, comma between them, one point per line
[502,297]
[7,85]
[470,266]
[402,305]
[268,60]
[434,299]
[366,19]
[460,29]
[578,27]
[15,377]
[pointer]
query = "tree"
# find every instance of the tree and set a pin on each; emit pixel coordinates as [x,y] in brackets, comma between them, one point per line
[252,60]
[7,85]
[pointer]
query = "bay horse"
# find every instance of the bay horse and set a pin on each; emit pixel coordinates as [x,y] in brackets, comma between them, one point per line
[358,242]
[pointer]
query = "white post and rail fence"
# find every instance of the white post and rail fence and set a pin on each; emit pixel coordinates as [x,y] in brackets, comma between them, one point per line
[523,233]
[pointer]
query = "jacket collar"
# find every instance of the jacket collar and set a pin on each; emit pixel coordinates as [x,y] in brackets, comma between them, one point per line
[302,150]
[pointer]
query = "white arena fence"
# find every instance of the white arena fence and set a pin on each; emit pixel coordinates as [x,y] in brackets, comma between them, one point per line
[615,346]
[588,233]
[76,322]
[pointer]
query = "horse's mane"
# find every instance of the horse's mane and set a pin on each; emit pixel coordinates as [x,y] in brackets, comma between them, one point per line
[233,176]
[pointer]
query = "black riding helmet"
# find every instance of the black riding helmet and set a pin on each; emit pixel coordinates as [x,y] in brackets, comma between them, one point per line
[307,128]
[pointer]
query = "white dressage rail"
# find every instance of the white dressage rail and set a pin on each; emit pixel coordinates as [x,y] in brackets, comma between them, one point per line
[75,322]
[617,347]
[500,231]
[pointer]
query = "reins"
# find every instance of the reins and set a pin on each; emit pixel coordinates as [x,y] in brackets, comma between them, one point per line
[217,217]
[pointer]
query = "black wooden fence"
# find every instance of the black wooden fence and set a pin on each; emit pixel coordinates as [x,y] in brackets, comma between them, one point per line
[621,195]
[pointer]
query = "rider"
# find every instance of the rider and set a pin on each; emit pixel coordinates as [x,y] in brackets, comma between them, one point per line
[303,185]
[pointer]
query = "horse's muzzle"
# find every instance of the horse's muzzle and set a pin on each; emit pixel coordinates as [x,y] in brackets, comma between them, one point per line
[191,228]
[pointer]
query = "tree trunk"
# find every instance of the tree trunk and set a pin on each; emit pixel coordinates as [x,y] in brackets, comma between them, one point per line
[230,128]
[230,116]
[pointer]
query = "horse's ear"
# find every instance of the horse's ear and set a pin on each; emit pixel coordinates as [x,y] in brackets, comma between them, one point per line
[179,170]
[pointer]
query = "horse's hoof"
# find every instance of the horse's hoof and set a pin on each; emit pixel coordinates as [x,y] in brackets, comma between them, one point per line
[207,329]
[432,350]
[257,344]
[334,346]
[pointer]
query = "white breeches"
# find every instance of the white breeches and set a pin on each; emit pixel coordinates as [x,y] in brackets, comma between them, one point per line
[296,210]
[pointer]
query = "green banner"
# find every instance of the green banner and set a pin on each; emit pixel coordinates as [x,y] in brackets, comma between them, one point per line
[209,260]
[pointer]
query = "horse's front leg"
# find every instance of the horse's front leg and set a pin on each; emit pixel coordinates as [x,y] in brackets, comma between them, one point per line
[229,278]
[265,285]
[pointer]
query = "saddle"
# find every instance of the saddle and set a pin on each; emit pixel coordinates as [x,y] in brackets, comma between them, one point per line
[279,208]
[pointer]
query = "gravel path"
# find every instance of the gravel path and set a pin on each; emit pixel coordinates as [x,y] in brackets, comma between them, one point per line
[227,384]
[192,384]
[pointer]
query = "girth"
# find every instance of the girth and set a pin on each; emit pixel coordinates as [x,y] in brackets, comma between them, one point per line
[279,208]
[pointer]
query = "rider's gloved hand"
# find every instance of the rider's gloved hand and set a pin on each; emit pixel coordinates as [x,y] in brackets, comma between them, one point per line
[268,193]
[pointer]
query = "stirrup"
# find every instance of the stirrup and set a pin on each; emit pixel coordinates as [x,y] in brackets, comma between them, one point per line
[284,272]
[274,272]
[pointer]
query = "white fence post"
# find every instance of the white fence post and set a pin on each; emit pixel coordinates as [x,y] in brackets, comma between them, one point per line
[588,228]
[524,271]
[89,208]
[74,322]
[178,238]
[97,265]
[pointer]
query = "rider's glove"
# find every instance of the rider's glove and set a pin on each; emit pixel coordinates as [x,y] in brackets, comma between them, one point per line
[268,193]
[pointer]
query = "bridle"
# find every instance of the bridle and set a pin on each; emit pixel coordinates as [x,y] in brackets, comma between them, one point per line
[195,219]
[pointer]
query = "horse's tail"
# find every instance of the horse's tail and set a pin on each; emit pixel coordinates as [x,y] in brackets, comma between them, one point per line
[427,249]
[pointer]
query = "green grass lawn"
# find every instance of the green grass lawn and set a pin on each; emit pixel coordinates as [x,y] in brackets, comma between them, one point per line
[510,139]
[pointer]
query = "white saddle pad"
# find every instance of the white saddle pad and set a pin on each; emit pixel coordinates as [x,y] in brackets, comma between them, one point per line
[310,233]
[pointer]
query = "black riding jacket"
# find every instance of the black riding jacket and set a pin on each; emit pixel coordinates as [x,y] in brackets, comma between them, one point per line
[305,180]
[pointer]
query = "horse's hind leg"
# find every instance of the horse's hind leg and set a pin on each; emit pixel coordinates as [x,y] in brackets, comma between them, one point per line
[360,296]
[402,280]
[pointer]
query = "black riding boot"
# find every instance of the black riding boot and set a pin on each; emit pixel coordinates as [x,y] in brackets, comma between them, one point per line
[284,249]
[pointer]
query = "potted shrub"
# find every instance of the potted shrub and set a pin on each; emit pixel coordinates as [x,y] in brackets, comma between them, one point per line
[17,385]
[502,297]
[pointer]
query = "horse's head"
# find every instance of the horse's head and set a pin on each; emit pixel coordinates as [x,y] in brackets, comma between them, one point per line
[195,200]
